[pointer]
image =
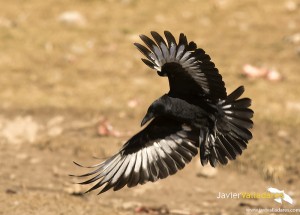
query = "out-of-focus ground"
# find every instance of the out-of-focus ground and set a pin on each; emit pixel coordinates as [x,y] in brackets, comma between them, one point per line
[61,76]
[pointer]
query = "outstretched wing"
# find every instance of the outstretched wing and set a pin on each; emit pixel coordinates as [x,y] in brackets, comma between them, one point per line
[160,150]
[189,69]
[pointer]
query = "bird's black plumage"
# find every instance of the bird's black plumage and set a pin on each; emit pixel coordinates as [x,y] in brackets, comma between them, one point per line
[189,69]
[161,149]
[196,114]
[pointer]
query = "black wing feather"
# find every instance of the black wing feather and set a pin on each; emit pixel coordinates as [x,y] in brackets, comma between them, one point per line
[189,69]
[160,150]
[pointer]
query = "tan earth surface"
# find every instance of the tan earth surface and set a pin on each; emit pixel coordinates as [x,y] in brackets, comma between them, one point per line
[68,65]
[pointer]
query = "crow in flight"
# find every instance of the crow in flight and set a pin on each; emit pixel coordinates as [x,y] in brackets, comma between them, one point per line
[196,114]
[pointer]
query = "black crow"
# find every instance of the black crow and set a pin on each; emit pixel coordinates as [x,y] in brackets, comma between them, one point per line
[196,114]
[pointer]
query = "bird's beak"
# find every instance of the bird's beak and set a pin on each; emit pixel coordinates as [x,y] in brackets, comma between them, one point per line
[162,74]
[146,119]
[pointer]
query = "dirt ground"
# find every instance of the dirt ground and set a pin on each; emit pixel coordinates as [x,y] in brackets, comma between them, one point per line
[66,66]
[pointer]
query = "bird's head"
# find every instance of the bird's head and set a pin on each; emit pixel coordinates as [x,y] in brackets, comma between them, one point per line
[162,73]
[157,108]
[167,67]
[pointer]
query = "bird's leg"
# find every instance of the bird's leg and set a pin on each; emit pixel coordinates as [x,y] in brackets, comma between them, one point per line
[215,128]
[204,145]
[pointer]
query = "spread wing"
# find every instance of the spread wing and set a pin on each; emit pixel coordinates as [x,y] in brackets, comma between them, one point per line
[160,150]
[189,69]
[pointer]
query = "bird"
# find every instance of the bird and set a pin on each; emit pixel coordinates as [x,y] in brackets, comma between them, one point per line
[196,115]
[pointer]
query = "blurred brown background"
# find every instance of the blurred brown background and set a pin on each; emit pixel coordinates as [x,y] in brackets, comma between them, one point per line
[72,86]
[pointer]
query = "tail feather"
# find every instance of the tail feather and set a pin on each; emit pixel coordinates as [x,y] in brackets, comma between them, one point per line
[234,95]
[241,103]
[236,142]
[230,135]
[244,123]
[239,114]
[233,149]
[228,151]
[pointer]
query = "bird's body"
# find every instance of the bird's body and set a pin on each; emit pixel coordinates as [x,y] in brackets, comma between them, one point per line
[195,115]
[180,110]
